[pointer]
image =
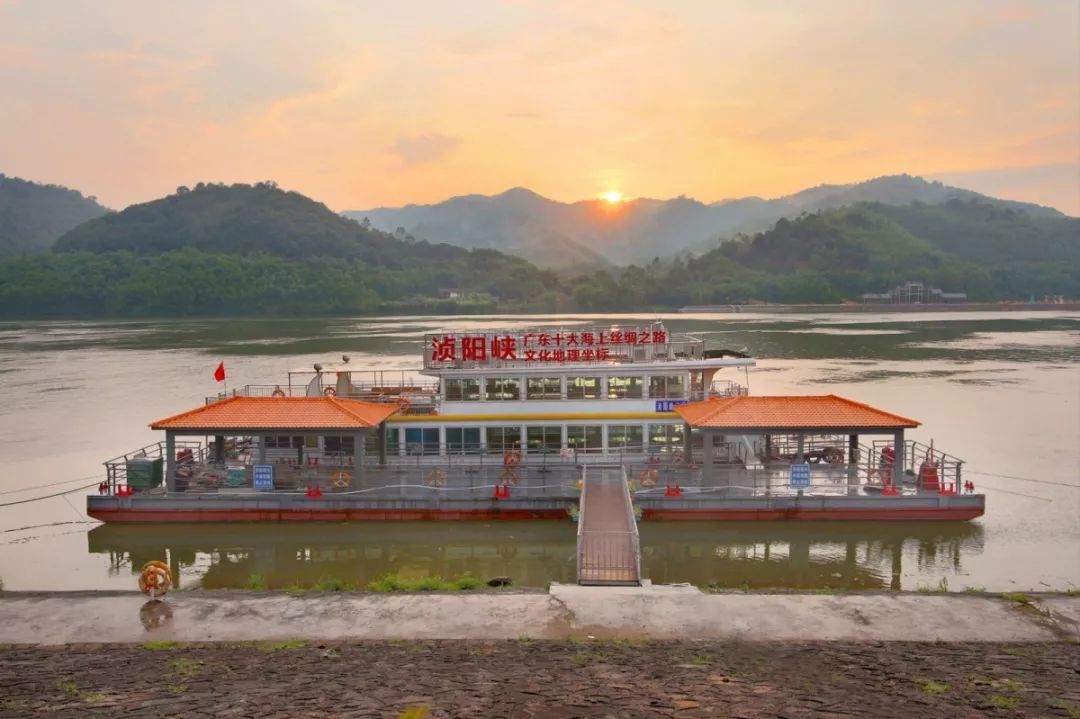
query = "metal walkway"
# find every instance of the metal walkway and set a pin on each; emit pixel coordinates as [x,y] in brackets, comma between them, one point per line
[608,547]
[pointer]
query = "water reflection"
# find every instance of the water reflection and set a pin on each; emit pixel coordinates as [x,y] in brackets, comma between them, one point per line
[535,553]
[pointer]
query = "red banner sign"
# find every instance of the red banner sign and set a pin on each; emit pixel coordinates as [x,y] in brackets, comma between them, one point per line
[583,346]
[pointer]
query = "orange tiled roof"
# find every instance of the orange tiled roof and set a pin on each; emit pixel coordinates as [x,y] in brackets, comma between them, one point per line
[280,413]
[789,413]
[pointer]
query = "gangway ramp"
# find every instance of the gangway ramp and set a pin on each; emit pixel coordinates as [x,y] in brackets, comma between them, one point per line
[608,548]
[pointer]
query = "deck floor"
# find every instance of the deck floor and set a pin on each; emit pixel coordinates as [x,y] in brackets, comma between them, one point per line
[607,551]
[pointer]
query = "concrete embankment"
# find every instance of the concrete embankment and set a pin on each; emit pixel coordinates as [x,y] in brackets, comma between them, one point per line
[651,612]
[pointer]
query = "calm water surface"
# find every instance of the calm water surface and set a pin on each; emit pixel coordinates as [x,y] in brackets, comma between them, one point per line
[1000,390]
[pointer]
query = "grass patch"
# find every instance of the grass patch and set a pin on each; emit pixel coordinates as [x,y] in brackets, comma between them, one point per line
[1009,685]
[698,660]
[186,667]
[1070,592]
[256,583]
[331,584]
[1073,712]
[999,701]
[933,688]
[68,687]
[1017,597]
[286,645]
[160,646]
[394,583]
[975,590]
[467,583]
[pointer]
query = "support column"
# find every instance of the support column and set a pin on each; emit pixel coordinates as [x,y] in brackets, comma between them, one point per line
[768,451]
[799,452]
[382,443]
[262,450]
[898,467]
[219,448]
[170,461]
[707,458]
[853,464]
[359,449]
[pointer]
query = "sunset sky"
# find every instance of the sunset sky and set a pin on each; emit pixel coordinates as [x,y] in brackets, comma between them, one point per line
[362,104]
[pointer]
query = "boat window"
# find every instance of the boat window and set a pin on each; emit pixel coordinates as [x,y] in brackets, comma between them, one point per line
[583,388]
[422,440]
[544,439]
[543,388]
[665,438]
[667,387]
[625,387]
[462,389]
[342,446]
[462,439]
[587,438]
[371,442]
[626,436]
[283,442]
[503,388]
[500,439]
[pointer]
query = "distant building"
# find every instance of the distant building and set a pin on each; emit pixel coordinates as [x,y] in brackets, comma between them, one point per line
[451,294]
[913,293]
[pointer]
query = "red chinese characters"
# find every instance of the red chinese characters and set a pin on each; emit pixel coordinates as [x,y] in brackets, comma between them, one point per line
[443,349]
[474,348]
[504,348]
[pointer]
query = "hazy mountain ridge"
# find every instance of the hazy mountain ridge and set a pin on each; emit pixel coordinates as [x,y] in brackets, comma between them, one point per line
[34,215]
[522,222]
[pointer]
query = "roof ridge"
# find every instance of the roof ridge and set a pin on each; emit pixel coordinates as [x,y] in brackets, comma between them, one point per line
[193,411]
[863,405]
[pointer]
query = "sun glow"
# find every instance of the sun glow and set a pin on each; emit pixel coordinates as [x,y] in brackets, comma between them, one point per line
[612,196]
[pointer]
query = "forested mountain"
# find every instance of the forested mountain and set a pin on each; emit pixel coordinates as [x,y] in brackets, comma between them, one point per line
[523,223]
[254,249]
[988,251]
[33,216]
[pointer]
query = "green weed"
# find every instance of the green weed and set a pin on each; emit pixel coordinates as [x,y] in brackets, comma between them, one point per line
[1002,702]
[331,584]
[256,583]
[975,590]
[1009,685]
[1073,712]
[698,660]
[186,667]
[68,687]
[934,688]
[466,583]
[285,645]
[430,584]
[160,646]
[941,587]
[1018,597]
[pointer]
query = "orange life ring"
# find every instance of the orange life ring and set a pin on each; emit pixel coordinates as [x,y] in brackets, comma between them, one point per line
[278,392]
[679,457]
[330,392]
[512,458]
[436,478]
[342,480]
[404,404]
[648,478]
[508,476]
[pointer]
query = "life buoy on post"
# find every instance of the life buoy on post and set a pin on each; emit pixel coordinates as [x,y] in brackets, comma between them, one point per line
[342,480]
[508,477]
[436,478]
[678,457]
[155,578]
[648,478]
[330,392]
[404,403]
[278,392]
[512,458]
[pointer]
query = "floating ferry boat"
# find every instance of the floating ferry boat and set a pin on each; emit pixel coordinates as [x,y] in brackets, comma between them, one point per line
[631,421]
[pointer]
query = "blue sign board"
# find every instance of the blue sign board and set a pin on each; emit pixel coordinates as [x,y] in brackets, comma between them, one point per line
[800,476]
[263,476]
[668,405]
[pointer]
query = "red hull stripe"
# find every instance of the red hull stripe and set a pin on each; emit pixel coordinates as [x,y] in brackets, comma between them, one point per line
[302,515]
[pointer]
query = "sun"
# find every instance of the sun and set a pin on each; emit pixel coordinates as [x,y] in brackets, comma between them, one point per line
[612,196]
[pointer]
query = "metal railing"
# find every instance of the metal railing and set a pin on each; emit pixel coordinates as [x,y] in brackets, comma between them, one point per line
[188,452]
[607,555]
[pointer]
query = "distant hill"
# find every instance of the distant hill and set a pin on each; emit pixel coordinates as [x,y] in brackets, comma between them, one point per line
[33,216]
[523,223]
[257,249]
[990,251]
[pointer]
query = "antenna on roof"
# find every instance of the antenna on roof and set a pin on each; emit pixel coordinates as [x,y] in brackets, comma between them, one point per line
[345,358]
[318,367]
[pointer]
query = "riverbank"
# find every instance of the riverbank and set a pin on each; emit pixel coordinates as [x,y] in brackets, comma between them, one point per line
[656,612]
[889,308]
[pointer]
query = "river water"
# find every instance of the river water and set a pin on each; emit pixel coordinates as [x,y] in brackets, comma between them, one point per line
[1000,390]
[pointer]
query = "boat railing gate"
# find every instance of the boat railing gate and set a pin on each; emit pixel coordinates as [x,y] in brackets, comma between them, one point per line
[608,556]
[116,468]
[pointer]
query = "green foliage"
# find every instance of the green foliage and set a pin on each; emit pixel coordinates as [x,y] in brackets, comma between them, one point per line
[1018,597]
[331,584]
[282,646]
[394,583]
[160,646]
[933,688]
[256,583]
[33,216]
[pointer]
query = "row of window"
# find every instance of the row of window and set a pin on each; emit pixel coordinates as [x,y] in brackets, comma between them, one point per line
[583,438]
[538,388]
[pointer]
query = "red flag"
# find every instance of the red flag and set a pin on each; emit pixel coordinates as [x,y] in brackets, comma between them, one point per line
[219,373]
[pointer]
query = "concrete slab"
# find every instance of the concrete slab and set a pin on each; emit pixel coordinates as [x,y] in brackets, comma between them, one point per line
[654,612]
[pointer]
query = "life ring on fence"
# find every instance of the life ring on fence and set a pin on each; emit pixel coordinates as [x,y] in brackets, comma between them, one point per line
[278,392]
[436,478]
[678,457]
[512,458]
[404,403]
[155,578]
[508,476]
[330,392]
[342,480]
[648,478]
[580,485]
